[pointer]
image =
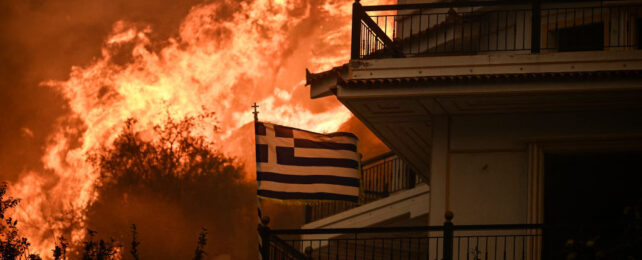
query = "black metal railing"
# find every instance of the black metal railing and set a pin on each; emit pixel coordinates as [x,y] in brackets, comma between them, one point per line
[279,249]
[447,242]
[456,28]
[380,177]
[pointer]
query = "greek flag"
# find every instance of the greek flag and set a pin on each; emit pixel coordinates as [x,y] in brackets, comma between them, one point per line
[294,164]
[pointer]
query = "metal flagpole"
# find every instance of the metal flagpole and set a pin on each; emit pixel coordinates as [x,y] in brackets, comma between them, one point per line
[263,235]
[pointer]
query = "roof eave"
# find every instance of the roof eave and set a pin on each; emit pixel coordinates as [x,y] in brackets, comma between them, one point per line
[325,83]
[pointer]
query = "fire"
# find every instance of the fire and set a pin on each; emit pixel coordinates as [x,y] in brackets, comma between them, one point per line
[219,63]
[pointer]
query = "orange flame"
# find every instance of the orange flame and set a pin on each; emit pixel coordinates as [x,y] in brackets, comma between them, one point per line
[220,64]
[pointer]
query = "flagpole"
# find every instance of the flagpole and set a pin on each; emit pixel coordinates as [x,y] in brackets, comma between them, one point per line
[263,238]
[259,202]
[258,199]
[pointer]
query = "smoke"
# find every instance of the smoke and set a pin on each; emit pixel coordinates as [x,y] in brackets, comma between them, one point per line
[41,40]
[73,71]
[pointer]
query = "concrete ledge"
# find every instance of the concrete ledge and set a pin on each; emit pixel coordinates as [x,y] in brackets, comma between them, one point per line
[414,202]
[501,63]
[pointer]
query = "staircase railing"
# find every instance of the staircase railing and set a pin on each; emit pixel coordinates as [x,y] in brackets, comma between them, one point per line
[380,176]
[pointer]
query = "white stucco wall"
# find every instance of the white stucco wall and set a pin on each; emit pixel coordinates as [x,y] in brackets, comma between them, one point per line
[480,163]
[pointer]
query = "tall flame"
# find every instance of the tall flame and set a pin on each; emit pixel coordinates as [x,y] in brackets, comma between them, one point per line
[219,61]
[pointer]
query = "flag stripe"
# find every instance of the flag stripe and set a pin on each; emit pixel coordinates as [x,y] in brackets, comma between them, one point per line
[261,152]
[259,129]
[305,143]
[307,179]
[286,131]
[284,142]
[283,131]
[306,196]
[322,153]
[285,156]
[309,188]
[297,164]
[325,138]
[303,170]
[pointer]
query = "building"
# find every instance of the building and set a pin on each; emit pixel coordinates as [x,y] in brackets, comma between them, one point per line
[512,112]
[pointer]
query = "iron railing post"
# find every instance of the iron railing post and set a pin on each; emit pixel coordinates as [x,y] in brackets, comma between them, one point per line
[536,26]
[308,252]
[264,233]
[448,236]
[356,31]
[308,214]
[413,178]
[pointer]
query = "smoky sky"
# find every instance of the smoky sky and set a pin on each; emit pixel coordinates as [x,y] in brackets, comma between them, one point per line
[41,40]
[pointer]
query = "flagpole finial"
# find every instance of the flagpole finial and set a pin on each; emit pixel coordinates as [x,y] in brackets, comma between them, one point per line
[255,112]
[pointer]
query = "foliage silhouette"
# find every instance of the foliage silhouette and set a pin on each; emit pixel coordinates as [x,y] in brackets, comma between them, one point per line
[12,245]
[173,167]
[200,245]
[135,243]
[100,250]
[35,257]
[172,180]
[60,251]
[89,246]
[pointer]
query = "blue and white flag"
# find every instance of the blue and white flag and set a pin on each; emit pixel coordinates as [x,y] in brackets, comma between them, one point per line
[294,164]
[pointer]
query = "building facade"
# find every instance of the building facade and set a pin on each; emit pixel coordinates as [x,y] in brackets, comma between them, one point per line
[511,112]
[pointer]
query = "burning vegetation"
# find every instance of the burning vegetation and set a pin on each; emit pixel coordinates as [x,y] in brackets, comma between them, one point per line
[156,179]
[76,71]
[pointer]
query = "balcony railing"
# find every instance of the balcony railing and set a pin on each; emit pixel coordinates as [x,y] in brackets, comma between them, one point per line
[448,242]
[458,28]
[380,177]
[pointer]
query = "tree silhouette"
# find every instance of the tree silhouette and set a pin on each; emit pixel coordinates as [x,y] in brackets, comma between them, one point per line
[34,257]
[200,245]
[173,167]
[106,250]
[12,245]
[172,180]
[100,250]
[60,251]
[89,246]
[135,243]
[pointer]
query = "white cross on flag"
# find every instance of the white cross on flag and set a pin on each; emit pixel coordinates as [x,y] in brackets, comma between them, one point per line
[294,164]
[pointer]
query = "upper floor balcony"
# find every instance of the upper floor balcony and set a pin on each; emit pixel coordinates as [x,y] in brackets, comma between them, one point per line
[487,27]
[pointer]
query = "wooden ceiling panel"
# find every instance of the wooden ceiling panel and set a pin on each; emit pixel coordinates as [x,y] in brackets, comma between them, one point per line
[410,140]
[390,108]
[540,102]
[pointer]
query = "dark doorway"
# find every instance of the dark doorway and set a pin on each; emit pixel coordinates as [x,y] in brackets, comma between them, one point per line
[586,199]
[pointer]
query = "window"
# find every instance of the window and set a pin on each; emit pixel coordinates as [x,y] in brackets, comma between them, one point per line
[587,37]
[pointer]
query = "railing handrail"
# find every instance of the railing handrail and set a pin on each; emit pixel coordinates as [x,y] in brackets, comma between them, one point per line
[481,30]
[377,158]
[381,176]
[402,229]
[399,7]
[496,227]
[284,246]
[447,237]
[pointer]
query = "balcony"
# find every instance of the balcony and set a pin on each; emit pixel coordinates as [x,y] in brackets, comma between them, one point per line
[382,176]
[448,242]
[485,27]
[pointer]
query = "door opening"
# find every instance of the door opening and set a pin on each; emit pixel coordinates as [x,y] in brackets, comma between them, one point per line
[588,198]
